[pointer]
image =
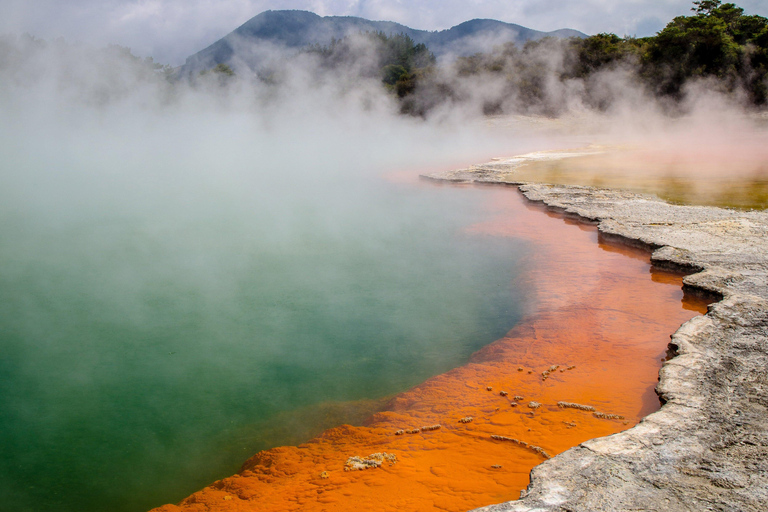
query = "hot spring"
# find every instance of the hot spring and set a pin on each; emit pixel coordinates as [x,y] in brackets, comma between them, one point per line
[176,296]
[185,281]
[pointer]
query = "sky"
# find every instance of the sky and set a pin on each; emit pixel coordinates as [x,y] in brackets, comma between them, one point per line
[171,30]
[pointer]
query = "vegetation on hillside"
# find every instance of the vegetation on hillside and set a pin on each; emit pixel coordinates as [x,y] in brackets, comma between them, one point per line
[717,46]
[396,59]
[718,43]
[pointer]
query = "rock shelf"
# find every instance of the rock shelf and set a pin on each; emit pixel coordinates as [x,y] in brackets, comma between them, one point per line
[707,447]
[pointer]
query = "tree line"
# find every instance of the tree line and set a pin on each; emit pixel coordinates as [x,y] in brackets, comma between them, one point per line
[717,43]
[397,60]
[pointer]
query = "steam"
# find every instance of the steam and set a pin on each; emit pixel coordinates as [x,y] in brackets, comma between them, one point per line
[172,251]
[124,191]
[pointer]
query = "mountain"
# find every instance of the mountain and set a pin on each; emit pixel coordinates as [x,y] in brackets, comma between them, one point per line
[249,43]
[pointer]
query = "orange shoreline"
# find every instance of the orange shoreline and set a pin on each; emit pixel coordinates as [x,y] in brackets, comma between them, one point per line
[601,322]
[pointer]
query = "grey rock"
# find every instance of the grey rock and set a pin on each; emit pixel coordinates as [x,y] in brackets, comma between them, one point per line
[706,449]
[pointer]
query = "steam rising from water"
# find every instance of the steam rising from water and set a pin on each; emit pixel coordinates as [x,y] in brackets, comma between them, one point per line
[183,268]
[181,264]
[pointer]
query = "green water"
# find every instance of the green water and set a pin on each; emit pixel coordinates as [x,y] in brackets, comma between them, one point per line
[146,353]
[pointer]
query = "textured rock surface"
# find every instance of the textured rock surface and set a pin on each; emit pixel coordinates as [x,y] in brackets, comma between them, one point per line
[707,447]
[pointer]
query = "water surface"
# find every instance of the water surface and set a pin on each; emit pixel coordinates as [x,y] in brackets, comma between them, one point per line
[152,343]
[595,335]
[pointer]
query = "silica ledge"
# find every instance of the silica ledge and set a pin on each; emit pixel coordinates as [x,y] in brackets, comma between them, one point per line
[707,447]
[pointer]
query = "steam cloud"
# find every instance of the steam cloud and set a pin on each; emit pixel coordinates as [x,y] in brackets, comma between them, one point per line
[124,194]
[108,150]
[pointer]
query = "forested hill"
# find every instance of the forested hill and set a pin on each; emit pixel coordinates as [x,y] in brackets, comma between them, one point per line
[501,68]
[718,45]
[297,29]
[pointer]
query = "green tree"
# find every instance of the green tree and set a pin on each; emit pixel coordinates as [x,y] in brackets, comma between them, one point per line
[718,42]
[222,74]
[392,73]
[601,50]
[705,7]
[398,61]
[223,69]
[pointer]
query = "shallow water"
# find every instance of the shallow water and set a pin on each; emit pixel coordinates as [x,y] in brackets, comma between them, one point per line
[146,355]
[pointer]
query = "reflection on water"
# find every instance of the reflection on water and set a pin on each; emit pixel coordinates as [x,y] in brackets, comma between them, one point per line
[729,180]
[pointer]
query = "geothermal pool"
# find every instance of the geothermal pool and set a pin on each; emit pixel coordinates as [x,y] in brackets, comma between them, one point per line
[581,363]
[146,355]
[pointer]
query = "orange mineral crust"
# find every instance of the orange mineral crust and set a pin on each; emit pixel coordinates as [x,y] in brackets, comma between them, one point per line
[583,363]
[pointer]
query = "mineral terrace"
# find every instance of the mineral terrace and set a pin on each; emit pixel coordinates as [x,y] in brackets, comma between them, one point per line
[707,447]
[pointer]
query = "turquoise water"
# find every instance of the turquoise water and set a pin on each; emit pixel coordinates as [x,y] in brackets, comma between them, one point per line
[149,350]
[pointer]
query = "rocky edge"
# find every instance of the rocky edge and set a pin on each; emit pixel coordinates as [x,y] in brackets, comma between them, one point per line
[707,447]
